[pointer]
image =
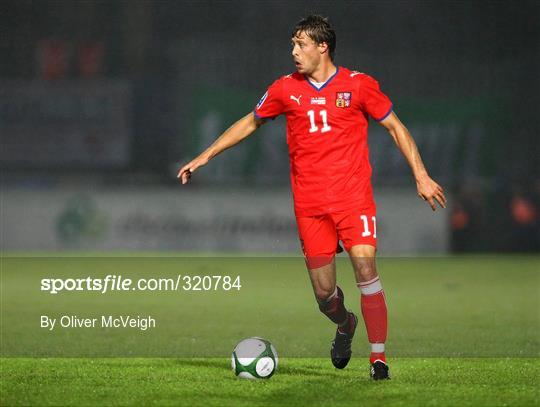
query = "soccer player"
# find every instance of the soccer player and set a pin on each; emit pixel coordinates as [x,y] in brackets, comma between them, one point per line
[327,108]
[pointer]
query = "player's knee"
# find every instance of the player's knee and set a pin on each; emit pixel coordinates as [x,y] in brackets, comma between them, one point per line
[364,267]
[366,271]
[323,294]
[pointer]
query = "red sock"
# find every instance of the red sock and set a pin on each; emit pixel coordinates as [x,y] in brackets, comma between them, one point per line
[374,311]
[377,356]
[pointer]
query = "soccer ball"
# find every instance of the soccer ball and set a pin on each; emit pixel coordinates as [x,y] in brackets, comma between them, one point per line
[254,358]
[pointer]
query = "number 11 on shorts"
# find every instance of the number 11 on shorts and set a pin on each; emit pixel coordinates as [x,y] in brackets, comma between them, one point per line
[367,231]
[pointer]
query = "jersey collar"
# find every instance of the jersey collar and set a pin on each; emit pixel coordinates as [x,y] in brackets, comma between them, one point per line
[326,83]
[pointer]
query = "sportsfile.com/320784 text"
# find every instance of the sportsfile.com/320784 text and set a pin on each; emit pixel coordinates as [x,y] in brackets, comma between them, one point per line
[113,282]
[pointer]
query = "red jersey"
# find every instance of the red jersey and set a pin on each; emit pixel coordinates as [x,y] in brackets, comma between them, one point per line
[327,137]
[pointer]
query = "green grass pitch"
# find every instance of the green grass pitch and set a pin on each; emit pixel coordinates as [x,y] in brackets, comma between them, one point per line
[463,331]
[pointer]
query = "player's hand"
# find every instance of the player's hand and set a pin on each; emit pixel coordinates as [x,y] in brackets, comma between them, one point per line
[430,191]
[185,172]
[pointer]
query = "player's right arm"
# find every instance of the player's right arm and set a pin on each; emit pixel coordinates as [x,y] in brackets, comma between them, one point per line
[232,136]
[269,106]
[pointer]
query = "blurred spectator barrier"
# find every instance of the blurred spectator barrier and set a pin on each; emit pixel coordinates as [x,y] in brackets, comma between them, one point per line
[196,220]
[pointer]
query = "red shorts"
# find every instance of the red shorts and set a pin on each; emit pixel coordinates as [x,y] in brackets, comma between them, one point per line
[321,234]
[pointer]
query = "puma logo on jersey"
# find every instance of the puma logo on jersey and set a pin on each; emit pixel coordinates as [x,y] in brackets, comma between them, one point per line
[352,75]
[296,99]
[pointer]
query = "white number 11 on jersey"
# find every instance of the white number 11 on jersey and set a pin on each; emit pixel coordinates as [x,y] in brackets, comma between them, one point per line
[366,231]
[324,117]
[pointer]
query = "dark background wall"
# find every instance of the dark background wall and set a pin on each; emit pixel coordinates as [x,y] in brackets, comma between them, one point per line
[463,76]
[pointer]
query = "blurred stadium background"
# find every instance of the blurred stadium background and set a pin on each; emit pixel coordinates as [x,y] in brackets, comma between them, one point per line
[101,100]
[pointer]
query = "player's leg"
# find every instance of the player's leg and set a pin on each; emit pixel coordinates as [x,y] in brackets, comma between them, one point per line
[373,306]
[328,294]
[332,303]
[319,244]
[357,230]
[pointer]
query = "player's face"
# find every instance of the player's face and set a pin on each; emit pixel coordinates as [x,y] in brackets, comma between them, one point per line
[306,53]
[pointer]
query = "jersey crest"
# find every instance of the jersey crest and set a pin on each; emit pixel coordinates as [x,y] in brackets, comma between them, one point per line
[343,99]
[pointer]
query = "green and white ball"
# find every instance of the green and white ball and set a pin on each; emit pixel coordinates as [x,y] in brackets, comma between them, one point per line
[254,358]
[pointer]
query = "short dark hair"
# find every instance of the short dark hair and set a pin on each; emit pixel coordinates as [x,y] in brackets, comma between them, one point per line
[319,30]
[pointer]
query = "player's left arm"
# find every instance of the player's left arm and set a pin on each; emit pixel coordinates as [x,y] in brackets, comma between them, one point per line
[427,188]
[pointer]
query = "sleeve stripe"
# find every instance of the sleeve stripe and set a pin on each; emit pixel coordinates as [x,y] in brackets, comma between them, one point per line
[258,116]
[386,114]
